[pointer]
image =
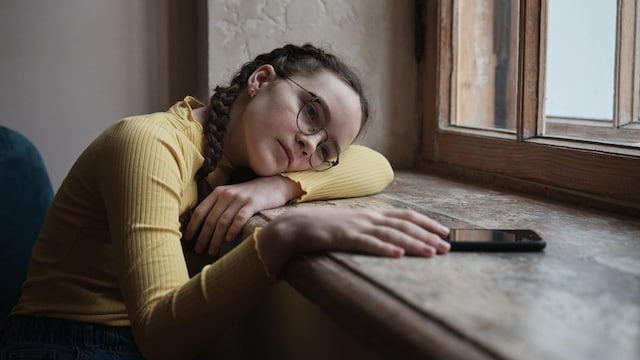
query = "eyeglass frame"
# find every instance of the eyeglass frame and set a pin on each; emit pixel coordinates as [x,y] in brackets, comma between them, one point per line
[315,98]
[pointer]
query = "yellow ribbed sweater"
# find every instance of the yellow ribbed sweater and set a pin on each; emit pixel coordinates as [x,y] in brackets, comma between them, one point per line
[110,253]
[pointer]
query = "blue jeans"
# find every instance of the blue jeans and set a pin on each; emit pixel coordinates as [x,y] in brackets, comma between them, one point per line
[29,337]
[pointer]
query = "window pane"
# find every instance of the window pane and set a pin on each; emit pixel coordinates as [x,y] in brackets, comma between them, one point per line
[485,70]
[581,41]
[591,71]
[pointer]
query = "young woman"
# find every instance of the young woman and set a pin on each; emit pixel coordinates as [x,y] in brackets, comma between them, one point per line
[108,276]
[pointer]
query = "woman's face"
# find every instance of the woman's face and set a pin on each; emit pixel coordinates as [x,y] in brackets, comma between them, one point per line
[270,141]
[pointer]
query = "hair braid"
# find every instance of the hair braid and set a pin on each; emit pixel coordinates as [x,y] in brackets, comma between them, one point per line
[216,126]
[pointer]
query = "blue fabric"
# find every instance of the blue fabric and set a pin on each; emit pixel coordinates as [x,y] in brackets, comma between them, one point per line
[29,337]
[25,196]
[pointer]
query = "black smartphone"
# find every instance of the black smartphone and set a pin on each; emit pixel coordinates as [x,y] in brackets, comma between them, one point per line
[494,240]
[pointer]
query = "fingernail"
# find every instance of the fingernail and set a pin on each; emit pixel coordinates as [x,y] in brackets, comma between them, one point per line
[428,250]
[398,252]
[394,251]
[445,246]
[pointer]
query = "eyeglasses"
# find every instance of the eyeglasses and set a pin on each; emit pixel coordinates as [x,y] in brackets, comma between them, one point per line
[310,121]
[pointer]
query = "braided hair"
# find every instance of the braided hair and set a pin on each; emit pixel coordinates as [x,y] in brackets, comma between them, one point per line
[287,61]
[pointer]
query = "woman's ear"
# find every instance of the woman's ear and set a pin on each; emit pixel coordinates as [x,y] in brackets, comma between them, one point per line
[262,76]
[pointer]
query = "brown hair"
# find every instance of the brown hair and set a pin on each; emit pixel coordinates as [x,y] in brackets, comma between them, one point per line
[287,61]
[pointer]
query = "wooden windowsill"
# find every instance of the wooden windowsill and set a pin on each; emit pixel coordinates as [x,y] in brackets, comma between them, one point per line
[576,300]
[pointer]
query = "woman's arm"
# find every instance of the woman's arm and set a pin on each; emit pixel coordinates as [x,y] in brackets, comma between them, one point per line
[362,171]
[222,214]
[174,316]
[140,181]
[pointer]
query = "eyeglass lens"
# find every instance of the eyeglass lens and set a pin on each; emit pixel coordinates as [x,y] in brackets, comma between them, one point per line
[309,123]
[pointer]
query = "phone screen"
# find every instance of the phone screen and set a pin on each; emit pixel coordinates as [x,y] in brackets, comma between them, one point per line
[495,240]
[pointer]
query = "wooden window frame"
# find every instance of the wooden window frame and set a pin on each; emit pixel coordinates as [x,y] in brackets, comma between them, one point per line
[586,173]
[628,67]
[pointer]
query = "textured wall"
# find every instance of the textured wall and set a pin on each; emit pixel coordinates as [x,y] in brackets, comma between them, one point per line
[375,36]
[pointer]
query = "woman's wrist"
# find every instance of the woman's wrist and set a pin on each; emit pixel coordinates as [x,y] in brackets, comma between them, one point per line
[275,243]
[290,188]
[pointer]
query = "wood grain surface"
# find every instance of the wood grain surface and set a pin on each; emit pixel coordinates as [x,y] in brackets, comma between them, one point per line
[578,299]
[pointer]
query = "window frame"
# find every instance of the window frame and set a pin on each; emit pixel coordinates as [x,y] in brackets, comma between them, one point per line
[583,172]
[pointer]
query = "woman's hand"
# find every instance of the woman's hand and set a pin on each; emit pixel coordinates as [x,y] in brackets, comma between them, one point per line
[224,212]
[384,232]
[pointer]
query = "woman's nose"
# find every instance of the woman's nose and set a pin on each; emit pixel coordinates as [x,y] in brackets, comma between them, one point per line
[309,143]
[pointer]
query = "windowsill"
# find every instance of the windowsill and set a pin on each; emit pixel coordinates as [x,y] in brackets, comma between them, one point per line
[560,303]
[545,305]
[546,190]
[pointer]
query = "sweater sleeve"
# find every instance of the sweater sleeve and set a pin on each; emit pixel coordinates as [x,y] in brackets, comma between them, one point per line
[172,316]
[186,322]
[362,171]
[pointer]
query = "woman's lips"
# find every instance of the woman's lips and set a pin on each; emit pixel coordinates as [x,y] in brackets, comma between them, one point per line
[288,153]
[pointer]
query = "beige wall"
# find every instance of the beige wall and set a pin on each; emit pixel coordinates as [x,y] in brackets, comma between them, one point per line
[375,36]
[70,68]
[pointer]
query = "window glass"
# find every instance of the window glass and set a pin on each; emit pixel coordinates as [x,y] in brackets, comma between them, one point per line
[591,72]
[581,45]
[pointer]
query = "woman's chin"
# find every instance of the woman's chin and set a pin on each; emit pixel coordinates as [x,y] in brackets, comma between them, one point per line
[266,169]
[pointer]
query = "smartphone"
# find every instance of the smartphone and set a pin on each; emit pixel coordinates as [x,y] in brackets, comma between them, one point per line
[495,240]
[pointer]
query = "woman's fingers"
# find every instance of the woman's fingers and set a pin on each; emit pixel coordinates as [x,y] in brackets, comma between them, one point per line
[367,230]
[416,233]
[224,212]
[373,245]
[204,240]
[217,224]
[239,220]
[198,216]
[419,219]
[224,222]
[391,233]
[412,245]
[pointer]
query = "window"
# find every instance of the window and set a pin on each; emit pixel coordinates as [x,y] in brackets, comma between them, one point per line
[538,93]
[591,66]
[485,64]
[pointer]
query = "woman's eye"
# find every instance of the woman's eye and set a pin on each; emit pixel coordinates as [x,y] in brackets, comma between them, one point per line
[311,112]
[310,118]
[324,152]
[327,151]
